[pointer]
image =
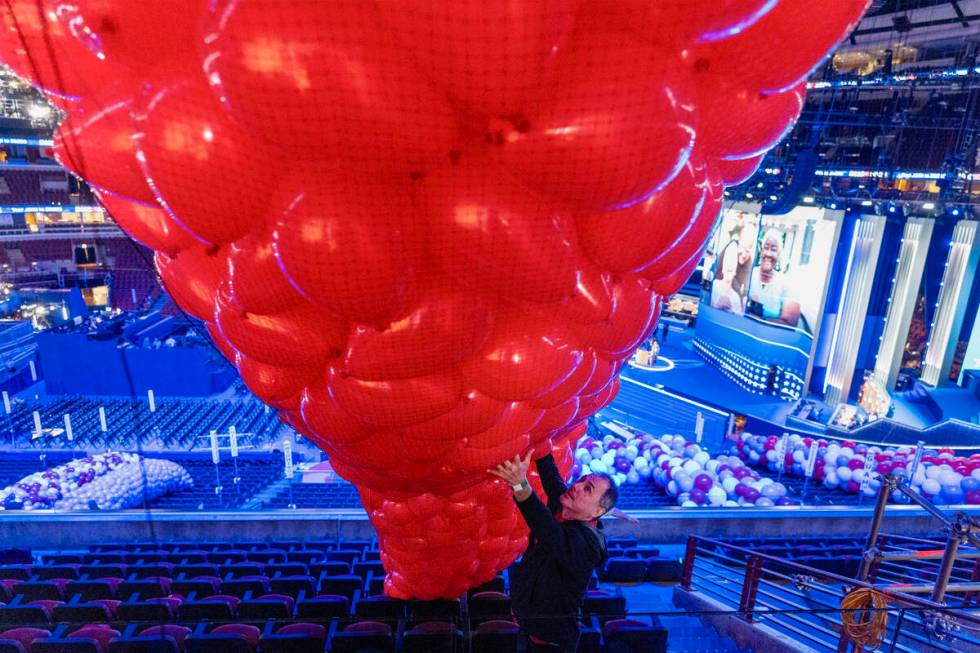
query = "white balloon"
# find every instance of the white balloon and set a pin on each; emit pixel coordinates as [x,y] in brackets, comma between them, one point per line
[717,496]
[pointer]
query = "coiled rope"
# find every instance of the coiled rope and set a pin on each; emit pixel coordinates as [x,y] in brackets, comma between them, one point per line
[864,616]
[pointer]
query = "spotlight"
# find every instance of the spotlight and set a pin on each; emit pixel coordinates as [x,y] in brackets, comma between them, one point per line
[808,199]
[867,203]
[928,206]
[954,212]
[891,209]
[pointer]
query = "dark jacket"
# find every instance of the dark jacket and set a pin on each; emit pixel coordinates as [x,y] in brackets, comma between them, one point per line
[548,585]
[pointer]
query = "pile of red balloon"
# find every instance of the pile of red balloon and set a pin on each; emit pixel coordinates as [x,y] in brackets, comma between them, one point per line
[428,233]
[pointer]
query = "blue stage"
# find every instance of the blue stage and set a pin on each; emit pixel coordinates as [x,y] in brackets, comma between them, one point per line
[679,370]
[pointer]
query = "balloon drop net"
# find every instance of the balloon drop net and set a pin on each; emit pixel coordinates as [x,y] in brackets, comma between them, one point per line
[428,234]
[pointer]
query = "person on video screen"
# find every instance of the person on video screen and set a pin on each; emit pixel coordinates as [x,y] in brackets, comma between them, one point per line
[768,287]
[723,293]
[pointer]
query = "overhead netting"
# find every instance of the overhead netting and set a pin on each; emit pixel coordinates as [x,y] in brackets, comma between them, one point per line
[428,233]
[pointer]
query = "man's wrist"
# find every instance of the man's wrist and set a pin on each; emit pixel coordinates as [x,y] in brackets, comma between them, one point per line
[520,487]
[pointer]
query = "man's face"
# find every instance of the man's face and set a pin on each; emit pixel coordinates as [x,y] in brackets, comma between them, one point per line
[581,500]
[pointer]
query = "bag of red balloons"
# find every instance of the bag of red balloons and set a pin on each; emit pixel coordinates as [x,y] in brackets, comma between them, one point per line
[428,233]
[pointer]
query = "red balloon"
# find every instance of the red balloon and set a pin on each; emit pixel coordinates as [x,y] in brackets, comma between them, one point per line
[671,283]
[444,327]
[298,336]
[148,224]
[193,276]
[653,225]
[689,239]
[635,314]
[615,128]
[38,42]
[732,172]
[255,281]
[525,357]
[221,343]
[602,374]
[325,417]
[352,93]
[806,30]
[202,164]
[475,413]
[347,245]
[498,238]
[273,382]
[555,418]
[736,122]
[489,57]
[96,142]
[129,35]
[509,437]
[572,385]
[699,22]
[591,300]
[397,402]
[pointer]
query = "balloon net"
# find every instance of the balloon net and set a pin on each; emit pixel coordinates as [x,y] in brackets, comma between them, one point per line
[427,233]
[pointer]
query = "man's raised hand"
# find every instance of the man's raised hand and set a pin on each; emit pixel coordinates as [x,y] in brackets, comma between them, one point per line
[513,472]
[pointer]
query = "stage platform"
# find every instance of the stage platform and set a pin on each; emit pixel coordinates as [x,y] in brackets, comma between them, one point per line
[76,530]
[945,420]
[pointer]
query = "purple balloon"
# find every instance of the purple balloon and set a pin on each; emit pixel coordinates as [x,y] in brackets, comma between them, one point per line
[703,482]
[698,496]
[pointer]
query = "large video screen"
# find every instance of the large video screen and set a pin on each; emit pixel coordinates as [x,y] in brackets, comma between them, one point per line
[762,291]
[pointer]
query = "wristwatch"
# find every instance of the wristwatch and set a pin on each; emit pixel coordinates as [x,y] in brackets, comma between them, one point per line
[520,486]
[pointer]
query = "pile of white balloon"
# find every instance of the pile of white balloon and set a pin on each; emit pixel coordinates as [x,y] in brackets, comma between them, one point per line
[108,481]
[626,461]
[941,476]
[680,468]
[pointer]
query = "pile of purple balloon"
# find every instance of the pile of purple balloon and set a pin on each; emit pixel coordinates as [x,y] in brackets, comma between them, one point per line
[626,460]
[110,480]
[682,469]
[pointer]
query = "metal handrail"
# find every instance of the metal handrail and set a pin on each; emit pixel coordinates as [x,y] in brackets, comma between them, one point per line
[895,597]
[922,613]
[769,614]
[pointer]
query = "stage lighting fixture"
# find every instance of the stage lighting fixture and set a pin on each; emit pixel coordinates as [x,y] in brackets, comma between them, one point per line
[867,203]
[808,199]
[749,195]
[833,205]
[891,209]
[928,206]
[954,212]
